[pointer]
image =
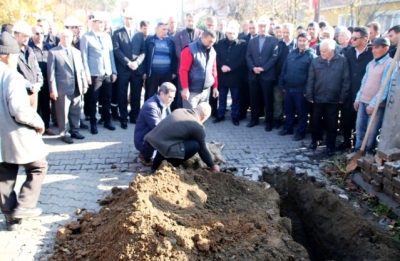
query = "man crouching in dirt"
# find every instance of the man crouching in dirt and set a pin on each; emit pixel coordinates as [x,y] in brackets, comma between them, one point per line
[181,135]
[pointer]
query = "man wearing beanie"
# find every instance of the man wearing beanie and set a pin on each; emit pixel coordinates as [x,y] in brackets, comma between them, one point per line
[28,65]
[20,140]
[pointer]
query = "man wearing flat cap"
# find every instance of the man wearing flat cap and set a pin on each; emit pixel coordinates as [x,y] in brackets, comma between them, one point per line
[20,140]
[367,96]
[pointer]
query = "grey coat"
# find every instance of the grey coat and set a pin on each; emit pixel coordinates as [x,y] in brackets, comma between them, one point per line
[61,72]
[98,58]
[20,143]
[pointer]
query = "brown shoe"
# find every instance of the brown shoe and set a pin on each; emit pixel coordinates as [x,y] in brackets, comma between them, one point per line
[49,132]
[145,162]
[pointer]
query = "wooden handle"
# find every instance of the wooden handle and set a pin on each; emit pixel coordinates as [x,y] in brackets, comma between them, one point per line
[380,94]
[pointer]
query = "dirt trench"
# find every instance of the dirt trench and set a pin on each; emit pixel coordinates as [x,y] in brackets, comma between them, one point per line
[329,227]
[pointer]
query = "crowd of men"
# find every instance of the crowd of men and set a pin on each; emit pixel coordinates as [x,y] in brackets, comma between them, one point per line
[305,75]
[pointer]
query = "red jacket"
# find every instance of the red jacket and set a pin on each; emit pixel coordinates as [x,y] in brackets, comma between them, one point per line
[186,64]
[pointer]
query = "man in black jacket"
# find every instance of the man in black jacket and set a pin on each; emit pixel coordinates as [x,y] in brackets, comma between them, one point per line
[231,54]
[327,87]
[358,56]
[261,57]
[293,82]
[41,50]
[129,55]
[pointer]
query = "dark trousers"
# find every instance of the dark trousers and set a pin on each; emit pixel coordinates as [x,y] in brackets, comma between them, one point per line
[147,151]
[114,98]
[129,78]
[348,119]
[175,103]
[191,148]
[262,88]
[296,102]
[86,105]
[223,97]
[99,91]
[244,94]
[155,81]
[44,104]
[325,113]
[30,190]
[214,104]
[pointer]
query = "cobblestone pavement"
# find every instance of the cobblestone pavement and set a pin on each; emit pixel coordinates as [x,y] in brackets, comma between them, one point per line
[80,174]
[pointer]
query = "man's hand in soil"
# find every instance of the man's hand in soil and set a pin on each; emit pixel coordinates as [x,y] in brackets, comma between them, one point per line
[215,168]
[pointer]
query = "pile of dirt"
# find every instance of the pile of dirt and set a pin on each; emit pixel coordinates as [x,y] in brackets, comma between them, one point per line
[179,214]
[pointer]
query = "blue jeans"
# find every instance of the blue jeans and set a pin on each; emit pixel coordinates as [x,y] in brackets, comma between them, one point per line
[223,96]
[295,101]
[362,123]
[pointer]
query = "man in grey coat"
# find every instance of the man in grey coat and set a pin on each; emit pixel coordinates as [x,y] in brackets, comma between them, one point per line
[20,140]
[67,83]
[98,60]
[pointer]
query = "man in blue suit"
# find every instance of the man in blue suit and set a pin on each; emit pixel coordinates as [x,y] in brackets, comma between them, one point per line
[99,64]
[153,111]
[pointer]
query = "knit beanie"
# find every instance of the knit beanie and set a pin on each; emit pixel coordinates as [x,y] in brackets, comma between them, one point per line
[8,44]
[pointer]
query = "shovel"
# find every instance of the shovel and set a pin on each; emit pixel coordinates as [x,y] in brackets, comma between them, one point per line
[352,165]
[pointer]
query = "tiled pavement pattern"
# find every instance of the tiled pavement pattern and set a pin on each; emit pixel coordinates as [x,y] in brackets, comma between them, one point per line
[81,173]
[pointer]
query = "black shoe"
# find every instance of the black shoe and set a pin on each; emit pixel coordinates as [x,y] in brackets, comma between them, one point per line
[313,146]
[298,137]
[218,119]
[83,126]
[284,132]
[268,127]
[124,125]
[343,146]
[93,129]
[235,122]
[330,152]
[26,212]
[109,126]
[77,135]
[277,124]
[12,223]
[132,121]
[101,121]
[252,123]
[67,139]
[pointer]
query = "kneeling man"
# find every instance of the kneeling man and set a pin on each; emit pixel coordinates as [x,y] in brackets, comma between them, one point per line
[152,112]
[180,136]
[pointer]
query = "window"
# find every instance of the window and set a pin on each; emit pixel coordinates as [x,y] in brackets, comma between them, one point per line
[345,20]
[388,19]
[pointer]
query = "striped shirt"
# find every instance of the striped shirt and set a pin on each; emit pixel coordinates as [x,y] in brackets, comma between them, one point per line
[161,59]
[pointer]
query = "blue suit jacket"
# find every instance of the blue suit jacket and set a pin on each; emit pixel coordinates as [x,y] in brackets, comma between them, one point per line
[149,117]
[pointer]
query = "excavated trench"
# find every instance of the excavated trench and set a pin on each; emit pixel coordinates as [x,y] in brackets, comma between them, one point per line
[327,226]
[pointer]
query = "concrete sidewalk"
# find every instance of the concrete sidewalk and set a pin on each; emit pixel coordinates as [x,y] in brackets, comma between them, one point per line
[82,173]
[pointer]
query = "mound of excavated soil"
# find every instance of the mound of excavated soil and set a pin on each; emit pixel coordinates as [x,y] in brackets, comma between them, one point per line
[183,215]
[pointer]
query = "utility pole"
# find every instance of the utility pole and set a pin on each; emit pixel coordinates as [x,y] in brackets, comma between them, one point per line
[316,4]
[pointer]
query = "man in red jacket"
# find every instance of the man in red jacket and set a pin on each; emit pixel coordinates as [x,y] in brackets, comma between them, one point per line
[198,70]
